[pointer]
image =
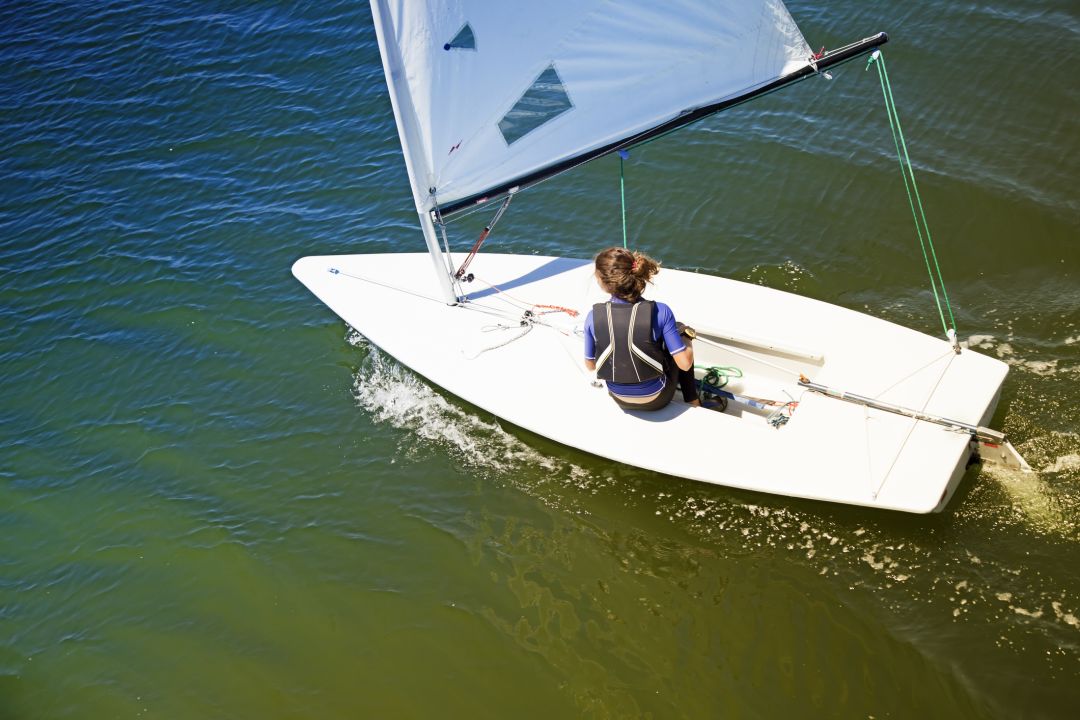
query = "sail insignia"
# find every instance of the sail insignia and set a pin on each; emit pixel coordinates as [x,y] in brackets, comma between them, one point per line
[464,40]
[545,100]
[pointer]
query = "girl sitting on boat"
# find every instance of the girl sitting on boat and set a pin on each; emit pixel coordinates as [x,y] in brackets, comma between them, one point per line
[633,344]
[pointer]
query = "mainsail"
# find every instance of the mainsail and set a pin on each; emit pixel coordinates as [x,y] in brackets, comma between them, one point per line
[488,94]
[493,96]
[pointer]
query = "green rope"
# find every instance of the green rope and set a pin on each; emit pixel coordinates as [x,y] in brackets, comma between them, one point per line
[719,375]
[912,192]
[622,194]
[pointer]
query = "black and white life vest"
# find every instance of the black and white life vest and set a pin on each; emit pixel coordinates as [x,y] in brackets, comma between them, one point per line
[625,350]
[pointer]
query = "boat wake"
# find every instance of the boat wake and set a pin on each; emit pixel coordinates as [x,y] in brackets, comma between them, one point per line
[905,562]
[393,394]
[1005,351]
[1036,501]
[1045,501]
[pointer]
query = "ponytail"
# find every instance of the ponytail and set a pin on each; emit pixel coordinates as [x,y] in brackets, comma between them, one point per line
[623,273]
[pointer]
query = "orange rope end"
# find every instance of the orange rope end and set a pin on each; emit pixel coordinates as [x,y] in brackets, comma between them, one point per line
[559,308]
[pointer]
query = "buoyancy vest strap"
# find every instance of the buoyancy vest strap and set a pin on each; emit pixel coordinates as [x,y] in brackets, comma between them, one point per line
[603,357]
[659,367]
[626,351]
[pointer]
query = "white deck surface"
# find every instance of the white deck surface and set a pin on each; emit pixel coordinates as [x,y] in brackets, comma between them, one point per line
[830,450]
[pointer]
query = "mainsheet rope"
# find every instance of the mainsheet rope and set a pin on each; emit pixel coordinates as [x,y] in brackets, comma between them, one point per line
[623,154]
[878,58]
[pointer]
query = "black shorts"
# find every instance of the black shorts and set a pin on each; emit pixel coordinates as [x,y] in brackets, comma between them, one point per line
[661,399]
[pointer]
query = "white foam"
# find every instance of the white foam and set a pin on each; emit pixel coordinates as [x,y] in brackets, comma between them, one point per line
[1044,368]
[1009,354]
[1066,617]
[394,395]
[1064,463]
[1037,502]
[983,342]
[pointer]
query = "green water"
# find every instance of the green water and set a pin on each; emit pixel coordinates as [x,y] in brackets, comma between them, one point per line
[216,501]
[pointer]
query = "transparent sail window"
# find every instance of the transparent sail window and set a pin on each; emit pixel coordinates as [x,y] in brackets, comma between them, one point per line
[464,40]
[545,100]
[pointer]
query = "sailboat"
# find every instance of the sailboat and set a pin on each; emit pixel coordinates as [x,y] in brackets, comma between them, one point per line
[492,98]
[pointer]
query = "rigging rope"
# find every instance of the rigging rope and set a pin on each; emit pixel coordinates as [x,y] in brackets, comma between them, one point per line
[483,236]
[532,316]
[526,326]
[878,58]
[510,299]
[623,154]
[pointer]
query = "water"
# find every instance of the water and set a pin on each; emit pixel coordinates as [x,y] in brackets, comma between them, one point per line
[216,501]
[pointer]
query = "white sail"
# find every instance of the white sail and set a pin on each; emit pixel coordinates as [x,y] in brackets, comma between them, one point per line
[488,92]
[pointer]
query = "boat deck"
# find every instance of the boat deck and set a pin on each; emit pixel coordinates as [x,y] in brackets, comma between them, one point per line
[829,449]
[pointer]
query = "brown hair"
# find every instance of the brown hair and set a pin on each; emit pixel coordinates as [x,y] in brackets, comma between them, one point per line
[624,273]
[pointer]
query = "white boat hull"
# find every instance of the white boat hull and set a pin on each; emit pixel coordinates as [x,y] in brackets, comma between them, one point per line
[829,450]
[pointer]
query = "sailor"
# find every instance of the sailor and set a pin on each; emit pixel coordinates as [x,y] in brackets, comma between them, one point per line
[633,344]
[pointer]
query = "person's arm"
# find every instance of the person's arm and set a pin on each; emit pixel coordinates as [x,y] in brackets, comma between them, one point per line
[681,352]
[590,364]
[684,359]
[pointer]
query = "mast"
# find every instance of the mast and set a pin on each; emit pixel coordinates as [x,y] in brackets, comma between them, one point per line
[438,259]
[405,115]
